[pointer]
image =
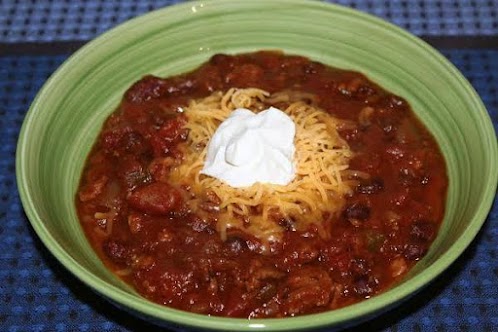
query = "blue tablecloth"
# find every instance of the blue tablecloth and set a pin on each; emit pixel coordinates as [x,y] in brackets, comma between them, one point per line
[38,294]
[49,20]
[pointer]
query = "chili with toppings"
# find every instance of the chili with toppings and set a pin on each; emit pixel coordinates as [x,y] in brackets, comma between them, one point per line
[141,229]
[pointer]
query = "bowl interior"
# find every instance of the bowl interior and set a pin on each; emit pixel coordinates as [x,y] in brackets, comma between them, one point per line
[68,113]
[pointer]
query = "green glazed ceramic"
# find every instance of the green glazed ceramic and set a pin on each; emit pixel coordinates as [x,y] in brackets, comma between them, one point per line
[67,115]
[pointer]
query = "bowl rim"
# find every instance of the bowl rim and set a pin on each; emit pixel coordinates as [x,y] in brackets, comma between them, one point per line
[161,313]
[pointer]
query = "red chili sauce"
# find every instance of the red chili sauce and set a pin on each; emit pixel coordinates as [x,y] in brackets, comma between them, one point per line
[171,256]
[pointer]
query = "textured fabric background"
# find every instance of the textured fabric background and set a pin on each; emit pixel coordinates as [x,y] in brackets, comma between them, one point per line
[38,294]
[82,19]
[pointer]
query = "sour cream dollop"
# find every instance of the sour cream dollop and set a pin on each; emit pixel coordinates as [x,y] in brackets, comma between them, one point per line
[248,148]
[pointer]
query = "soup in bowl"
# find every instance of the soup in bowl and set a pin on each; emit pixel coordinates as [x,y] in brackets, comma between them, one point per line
[116,177]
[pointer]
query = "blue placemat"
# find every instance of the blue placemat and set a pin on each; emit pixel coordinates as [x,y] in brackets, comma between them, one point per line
[38,294]
[50,20]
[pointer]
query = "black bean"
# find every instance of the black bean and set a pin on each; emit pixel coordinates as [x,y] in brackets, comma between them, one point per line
[395,102]
[219,59]
[266,292]
[365,91]
[312,68]
[200,225]
[357,212]
[133,142]
[118,252]
[362,287]
[414,252]
[372,186]
[388,129]
[407,177]
[236,244]
[149,87]
[359,268]
[304,252]
[422,231]
[287,223]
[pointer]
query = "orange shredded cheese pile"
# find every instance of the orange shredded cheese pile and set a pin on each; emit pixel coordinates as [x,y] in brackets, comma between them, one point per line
[264,211]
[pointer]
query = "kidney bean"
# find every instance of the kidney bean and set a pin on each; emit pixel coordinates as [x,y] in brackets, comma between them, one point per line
[156,198]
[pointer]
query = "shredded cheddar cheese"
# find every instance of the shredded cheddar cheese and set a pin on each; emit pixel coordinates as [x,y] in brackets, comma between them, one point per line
[262,210]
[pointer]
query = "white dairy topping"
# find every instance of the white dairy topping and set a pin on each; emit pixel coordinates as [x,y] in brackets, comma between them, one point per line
[248,148]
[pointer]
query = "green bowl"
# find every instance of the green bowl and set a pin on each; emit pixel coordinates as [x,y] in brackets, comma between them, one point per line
[67,114]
